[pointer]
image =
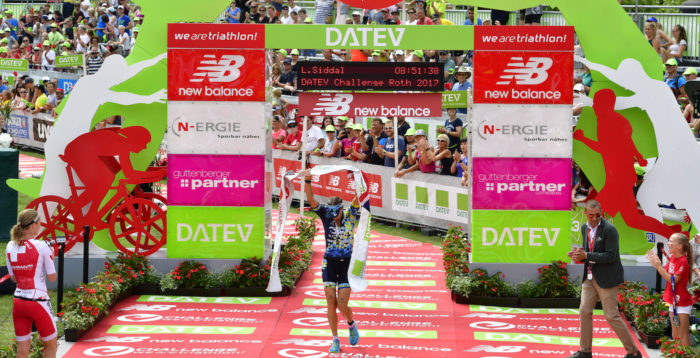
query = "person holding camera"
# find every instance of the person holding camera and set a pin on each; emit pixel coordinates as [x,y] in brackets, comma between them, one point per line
[29,262]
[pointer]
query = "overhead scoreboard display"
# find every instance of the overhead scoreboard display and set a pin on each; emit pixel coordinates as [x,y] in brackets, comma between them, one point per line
[366,76]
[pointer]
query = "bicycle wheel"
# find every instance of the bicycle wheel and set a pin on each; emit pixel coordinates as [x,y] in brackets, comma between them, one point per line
[158,199]
[57,221]
[138,226]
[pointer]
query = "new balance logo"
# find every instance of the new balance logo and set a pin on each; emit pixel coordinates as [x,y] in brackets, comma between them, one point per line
[532,72]
[332,105]
[227,69]
[311,310]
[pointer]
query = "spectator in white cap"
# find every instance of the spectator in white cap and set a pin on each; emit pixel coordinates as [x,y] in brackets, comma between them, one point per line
[356,18]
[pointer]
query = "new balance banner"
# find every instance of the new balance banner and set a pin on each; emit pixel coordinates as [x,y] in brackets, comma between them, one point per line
[523,77]
[216,75]
[333,184]
[215,232]
[508,236]
[371,104]
[232,36]
[216,180]
[216,128]
[514,130]
[521,183]
[524,38]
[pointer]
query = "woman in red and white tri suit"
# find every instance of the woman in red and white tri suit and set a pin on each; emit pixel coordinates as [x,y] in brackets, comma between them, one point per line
[29,262]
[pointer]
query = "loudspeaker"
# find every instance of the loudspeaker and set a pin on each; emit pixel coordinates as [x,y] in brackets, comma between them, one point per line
[7,287]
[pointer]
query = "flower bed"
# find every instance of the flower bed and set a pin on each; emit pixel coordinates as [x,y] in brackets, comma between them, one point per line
[554,290]
[455,254]
[477,287]
[671,348]
[250,277]
[84,307]
[651,317]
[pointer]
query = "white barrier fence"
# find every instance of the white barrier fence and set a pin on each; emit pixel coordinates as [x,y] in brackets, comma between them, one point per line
[425,199]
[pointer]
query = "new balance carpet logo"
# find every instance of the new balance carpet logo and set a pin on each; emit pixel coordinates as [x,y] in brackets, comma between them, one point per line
[227,69]
[332,105]
[532,72]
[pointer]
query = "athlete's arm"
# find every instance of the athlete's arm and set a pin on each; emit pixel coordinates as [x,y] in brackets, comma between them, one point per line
[310,192]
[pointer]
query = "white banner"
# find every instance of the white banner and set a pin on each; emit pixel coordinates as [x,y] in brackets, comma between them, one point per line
[424,198]
[358,261]
[515,130]
[216,127]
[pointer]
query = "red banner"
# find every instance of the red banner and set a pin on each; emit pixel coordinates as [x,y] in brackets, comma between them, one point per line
[221,36]
[371,104]
[333,184]
[216,75]
[524,38]
[523,77]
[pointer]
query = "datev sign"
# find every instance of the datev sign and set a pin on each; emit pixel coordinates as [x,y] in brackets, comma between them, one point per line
[520,236]
[514,130]
[215,232]
[225,128]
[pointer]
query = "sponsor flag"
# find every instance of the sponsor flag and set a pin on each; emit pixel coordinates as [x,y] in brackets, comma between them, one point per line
[358,261]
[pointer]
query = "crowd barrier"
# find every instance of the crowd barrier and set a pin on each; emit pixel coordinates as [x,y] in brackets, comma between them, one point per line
[29,130]
[425,199]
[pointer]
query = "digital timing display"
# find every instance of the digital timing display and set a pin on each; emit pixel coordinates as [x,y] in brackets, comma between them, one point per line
[365,76]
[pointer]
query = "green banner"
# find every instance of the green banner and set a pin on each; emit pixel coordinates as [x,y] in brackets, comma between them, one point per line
[378,37]
[208,300]
[542,339]
[454,99]
[509,236]
[367,333]
[215,232]
[406,283]
[69,60]
[389,305]
[12,64]
[157,329]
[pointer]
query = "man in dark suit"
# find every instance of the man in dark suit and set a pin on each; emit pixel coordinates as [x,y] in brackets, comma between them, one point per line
[602,276]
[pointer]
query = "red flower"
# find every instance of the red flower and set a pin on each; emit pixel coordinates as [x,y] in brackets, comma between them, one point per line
[60,314]
[120,280]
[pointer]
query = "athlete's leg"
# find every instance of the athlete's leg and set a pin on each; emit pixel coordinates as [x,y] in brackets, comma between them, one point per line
[23,327]
[332,304]
[50,348]
[343,300]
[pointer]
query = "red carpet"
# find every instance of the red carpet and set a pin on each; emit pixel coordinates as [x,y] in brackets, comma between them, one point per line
[406,312]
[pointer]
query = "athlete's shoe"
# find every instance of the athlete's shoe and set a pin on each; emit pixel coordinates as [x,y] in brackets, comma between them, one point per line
[354,334]
[335,347]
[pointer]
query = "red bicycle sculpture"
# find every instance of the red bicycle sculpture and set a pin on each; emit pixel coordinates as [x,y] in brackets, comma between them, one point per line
[136,220]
